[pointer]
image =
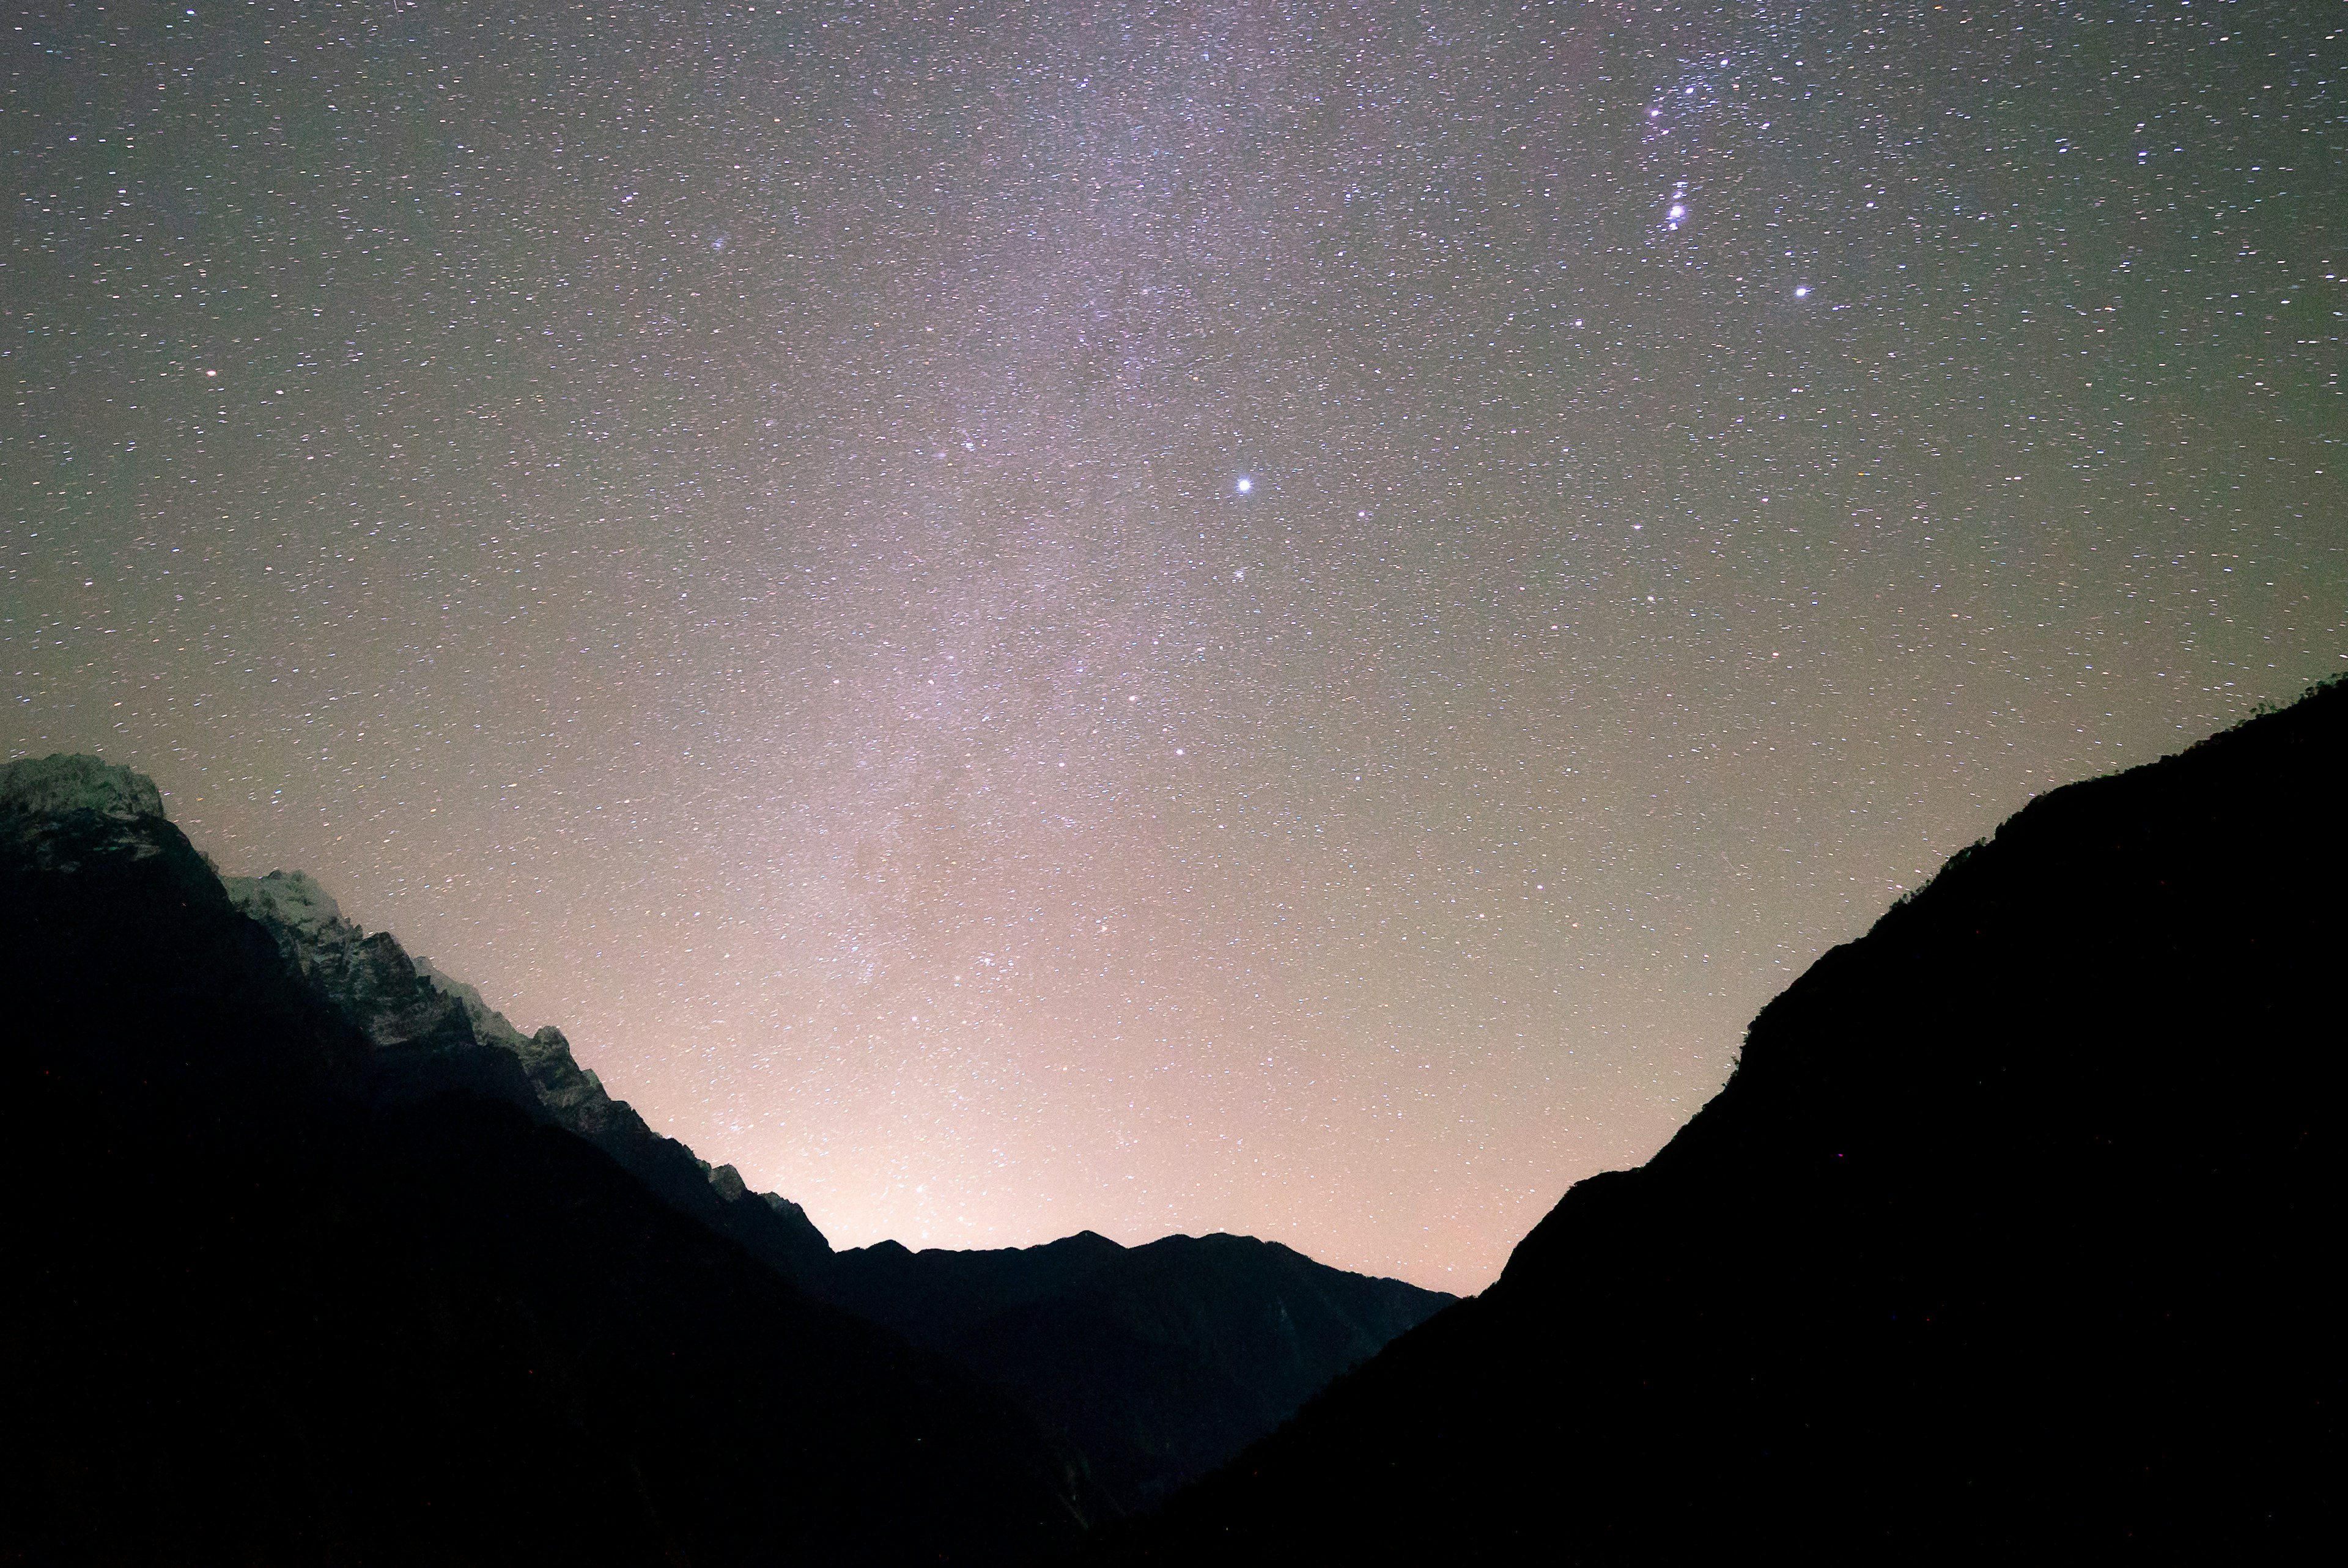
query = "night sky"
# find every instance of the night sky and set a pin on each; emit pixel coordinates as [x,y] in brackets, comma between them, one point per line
[1275,618]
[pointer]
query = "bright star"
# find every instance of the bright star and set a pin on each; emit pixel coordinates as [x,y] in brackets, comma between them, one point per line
[1803,292]
[1244,484]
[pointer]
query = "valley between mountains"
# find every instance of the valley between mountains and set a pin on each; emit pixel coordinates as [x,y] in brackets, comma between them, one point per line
[2005,1233]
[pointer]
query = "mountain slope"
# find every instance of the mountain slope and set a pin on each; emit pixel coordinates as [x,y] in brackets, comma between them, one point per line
[2005,1234]
[369,1199]
[1152,1366]
[282,1292]
[1157,1362]
[408,1009]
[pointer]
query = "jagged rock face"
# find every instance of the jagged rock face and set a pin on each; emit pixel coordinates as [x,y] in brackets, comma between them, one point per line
[787,1211]
[292,902]
[573,1094]
[369,977]
[403,1003]
[54,809]
[408,1009]
[61,784]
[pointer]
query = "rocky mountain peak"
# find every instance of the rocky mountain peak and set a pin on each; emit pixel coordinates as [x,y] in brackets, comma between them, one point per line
[492,1025]
[57,785]
[370,978]
[58,809]
[291,899]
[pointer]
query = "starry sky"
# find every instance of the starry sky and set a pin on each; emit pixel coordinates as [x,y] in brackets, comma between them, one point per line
[1161,615]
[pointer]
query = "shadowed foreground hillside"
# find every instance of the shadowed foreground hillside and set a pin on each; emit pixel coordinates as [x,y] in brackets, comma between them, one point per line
[2006,1233]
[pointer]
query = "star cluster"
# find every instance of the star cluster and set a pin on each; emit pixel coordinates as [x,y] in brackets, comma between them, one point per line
[1156,616]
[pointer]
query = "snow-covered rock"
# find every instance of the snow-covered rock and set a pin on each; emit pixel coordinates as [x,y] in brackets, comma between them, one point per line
[370,978]
[403,1004]
[52,786]
[572,1095]
[492,1025]
[61,807]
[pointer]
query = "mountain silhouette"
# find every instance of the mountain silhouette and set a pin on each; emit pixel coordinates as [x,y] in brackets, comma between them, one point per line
[402,1004]
[2004,1235]
[1156,1363]
[1149,1367]
[280,1291]
[318,1257]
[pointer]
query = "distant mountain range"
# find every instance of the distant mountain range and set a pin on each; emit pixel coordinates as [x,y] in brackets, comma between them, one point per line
[2005,1240]
[314,1257]
[1155,1363]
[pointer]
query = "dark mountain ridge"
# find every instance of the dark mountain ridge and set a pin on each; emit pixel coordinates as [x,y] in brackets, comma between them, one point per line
[2005,1234]
[408,1010]
[1155,1362]
[1150,1366]
[326,1259]
[282,1293]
